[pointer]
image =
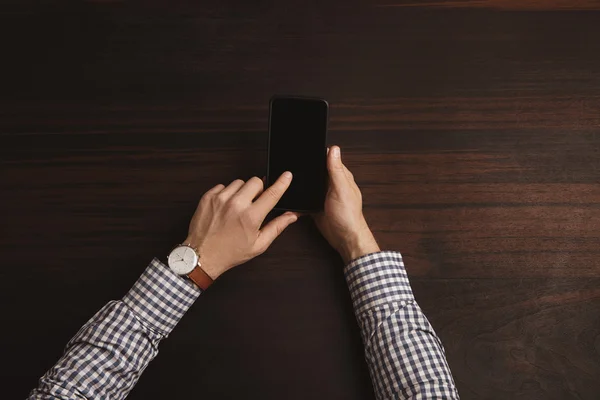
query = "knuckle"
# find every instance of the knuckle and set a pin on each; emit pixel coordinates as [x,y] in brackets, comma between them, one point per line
[220,198]
[204,199]
[273,193]
[257,180]
[236,203]
[280,187]
[337,166]
[279,229]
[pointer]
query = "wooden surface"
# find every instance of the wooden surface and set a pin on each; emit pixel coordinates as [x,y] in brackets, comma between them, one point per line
[473,128]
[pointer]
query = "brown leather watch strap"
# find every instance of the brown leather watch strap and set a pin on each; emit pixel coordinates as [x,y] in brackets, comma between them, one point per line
[200,278]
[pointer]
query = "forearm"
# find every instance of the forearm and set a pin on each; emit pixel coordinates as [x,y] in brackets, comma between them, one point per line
[405,357]
[108,355]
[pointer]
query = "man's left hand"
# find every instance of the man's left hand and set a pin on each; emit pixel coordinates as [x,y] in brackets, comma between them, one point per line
[225,228]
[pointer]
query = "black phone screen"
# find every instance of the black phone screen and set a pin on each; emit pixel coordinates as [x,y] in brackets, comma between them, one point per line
[297,143]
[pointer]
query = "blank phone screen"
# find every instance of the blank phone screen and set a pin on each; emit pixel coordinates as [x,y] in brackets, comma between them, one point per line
[297,143]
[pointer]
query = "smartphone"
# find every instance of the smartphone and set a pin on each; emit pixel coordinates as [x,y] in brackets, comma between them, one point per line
[297,143]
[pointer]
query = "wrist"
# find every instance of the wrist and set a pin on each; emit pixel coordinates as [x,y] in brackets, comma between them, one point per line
[359,244]
[207,263]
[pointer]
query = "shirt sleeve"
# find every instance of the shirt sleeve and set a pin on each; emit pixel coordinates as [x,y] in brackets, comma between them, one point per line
[405,357]
[107,356]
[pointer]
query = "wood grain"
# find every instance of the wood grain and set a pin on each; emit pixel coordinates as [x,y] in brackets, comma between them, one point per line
[510,5]
[471,126]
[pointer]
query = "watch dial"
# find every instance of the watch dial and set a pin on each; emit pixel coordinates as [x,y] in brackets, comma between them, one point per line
[183,260]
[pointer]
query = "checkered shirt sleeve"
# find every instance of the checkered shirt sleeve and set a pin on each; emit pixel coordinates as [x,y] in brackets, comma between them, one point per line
[404,355]
[109,353]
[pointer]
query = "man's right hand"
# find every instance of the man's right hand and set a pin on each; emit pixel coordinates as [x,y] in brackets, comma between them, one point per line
[342,221]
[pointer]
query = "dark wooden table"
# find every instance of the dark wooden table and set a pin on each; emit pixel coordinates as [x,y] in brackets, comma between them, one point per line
[473,128]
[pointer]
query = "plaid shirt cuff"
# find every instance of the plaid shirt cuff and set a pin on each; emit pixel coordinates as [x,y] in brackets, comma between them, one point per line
[377,279]
[160,298]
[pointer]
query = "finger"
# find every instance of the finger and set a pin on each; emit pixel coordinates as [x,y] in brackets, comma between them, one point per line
[231,189]
[297,214]
[335,166]
[215,190]
[264,181]
[272,194]
[273,229]
[251,189]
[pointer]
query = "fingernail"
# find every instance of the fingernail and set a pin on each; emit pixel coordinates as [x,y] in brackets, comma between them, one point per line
[293,218]
[287,175]
[336,152]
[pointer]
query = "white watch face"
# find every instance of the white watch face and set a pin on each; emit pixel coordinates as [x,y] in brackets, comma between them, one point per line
[183,260]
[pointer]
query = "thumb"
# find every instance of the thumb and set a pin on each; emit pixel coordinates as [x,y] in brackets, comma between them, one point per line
[334,165]
[273,229]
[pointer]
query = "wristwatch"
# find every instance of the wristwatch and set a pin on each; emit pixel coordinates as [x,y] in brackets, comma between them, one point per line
[184,261]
